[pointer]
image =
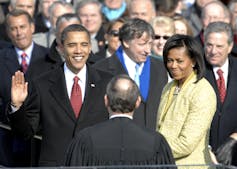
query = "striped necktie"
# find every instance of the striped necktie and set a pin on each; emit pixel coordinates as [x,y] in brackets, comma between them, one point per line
[24,64]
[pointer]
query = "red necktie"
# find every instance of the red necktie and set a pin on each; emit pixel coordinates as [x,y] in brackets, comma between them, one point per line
[76,98]
[221,85]
[24,64]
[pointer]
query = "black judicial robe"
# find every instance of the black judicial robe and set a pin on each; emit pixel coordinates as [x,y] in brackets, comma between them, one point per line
[118,141]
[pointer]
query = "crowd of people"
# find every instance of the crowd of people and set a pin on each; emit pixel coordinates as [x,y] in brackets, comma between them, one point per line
[118,82]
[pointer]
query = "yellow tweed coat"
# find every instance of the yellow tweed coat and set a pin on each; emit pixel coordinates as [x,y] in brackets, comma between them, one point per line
[187,121]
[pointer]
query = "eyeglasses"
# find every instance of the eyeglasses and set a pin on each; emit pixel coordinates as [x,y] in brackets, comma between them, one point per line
[114,33]
[164,37]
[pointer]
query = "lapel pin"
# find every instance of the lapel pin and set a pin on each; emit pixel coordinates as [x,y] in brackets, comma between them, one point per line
[92,85]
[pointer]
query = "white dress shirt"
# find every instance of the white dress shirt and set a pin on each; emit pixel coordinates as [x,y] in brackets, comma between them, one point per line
[225,70]
[28,52]
[69,75]
[130,65]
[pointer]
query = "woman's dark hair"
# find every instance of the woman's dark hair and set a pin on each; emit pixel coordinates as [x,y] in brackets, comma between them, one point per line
[193,49]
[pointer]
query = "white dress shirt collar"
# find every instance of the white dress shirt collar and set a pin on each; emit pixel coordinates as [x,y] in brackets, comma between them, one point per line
[224,68]
[120,115]
[130,65]
[28,52]
[69,75]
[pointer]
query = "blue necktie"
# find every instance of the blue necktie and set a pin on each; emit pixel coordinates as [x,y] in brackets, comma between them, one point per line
[136,77]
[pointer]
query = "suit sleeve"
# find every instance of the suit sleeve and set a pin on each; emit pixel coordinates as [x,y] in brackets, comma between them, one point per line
[25,121]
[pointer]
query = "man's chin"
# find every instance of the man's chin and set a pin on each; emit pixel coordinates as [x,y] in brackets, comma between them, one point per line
[214,63]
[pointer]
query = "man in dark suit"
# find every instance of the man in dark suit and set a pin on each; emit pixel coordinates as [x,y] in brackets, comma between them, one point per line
[213,12]
[55,52]
[20,28]
[49,100]
[119,141]
[223,136]
[136,37]
[63,21]
[4,44]
[28,6]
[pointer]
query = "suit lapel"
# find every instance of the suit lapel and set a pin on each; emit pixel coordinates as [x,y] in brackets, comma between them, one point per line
[36,55]
[231,83]
[91,86]
[11,59]
[115,67]
[212,80]
[59,91]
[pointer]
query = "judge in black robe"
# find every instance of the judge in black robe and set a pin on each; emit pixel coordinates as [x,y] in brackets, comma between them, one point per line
[119,141]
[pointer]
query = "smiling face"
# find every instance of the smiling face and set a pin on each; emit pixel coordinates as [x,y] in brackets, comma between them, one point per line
[76,49]
[91,17]
[179,64]
[139,48]
[162,33]
[217,48]
[20,31]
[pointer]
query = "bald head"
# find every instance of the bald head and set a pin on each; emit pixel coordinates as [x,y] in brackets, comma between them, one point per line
[122,94]
[142,9]
[213,12]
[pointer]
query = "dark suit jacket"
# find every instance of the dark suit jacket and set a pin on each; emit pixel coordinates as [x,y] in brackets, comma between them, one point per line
[118,141]
[48,104]
[225,119]
[4,44]
[3,33]
[40,62]
[54,55]
[146,114]
[40,24]
[101,44]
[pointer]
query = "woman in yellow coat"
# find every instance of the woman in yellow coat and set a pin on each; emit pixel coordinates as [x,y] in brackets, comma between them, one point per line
[188,103]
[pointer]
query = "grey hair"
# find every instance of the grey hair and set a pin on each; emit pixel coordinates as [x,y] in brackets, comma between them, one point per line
[55,4]
[13,3]
[218,27]
[83,3]
[225,9]
[135,28]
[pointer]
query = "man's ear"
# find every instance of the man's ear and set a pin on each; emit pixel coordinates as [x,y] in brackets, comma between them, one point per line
[32,27]
[106,101]
[10,8]
[138,102]
[125,44]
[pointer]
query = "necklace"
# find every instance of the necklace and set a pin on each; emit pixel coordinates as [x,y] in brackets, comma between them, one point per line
[176,90]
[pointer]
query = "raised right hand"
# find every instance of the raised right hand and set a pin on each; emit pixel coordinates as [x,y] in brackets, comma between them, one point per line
[19,89]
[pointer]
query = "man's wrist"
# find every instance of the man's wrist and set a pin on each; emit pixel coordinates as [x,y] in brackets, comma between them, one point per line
[234,136]
[15,106]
